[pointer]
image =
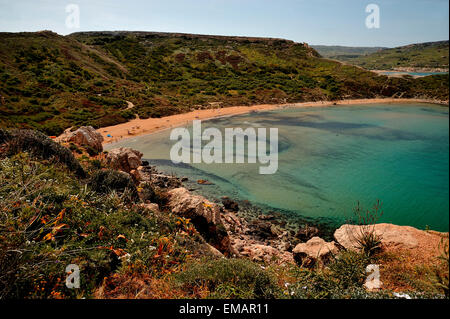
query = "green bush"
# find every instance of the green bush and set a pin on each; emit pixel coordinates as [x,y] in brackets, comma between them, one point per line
[107,181]
[349,269]
[39,145]
[50,219]
[230,278]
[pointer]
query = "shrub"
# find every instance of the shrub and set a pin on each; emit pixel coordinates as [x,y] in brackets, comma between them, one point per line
[230,278]
[440,278]
[50,219]
[366,238]
[107,181]
[39,145]
[349,269]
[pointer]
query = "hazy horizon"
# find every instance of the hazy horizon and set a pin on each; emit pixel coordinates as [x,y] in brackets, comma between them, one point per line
[322,22]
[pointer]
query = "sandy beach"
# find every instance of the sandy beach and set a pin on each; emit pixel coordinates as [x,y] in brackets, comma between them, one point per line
[137,127]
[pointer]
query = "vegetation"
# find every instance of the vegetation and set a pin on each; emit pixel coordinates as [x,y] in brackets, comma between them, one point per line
[368,241]
[16,141]
[50,218]
[343,53]
[233,278]
[50,82]
[430,55]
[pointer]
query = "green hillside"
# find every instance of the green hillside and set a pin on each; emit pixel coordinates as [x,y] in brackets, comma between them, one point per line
[51,82]
[430,55]
[344,53]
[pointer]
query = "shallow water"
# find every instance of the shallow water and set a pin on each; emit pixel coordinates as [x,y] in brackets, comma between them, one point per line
[332,157]
[420,74]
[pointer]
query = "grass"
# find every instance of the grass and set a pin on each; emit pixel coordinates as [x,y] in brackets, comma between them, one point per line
[367,240]
[50,219]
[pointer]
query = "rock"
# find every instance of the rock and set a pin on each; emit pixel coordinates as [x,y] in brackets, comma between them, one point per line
[124,159]
[392,236]
[86,136]
[165,181]
[204,182]
[314,250]
[151,206]
[263,229]
[230,205]
[265,253]
[204,215]
[306,232]
[234,224]
[136,175]
[266,217]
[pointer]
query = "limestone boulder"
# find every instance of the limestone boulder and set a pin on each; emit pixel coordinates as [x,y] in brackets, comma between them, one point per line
[86,136]
[204,215]
[124,158]
[315,250]
[264,253]
[392,236]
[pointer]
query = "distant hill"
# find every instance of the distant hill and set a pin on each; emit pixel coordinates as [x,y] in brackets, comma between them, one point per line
[51,82]
[421,56]
[343,53]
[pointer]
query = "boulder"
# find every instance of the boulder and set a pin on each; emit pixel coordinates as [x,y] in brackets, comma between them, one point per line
[264,253]
[314,250]
[124,159]
[230,205]
[393,236]
[264,229]
[87,136]
[204,215]
[151,206]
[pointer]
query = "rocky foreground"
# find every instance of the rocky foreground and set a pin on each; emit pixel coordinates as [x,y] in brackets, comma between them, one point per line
[263,237]
[138,233]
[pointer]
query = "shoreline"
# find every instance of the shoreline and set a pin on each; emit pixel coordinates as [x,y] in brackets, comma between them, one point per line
[139,127]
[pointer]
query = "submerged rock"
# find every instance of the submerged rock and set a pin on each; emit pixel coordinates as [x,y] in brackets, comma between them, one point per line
[314,250]
[230,205]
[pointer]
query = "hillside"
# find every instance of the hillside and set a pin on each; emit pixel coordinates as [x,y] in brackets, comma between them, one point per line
[430,55]
[50,82]
[344,53]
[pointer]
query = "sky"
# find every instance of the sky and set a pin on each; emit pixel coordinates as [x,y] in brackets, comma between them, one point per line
[327,22]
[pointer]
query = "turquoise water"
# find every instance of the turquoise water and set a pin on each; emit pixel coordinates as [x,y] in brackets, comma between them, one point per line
[413,73]
[332,157]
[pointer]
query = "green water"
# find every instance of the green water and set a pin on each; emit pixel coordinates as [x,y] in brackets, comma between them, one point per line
[332,157]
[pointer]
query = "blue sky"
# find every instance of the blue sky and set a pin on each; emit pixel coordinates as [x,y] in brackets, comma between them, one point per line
[338,22]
